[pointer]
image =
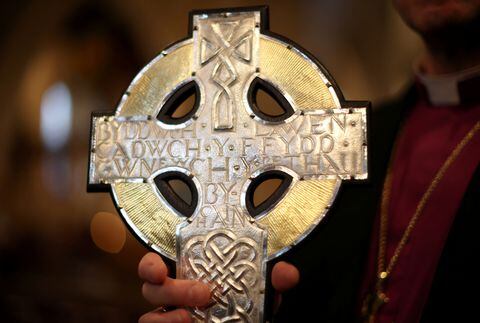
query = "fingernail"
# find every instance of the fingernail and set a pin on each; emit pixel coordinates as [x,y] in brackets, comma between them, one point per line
[182,317]
[197,294]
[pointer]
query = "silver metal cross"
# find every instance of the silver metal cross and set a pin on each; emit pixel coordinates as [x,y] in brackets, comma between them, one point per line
[222,148]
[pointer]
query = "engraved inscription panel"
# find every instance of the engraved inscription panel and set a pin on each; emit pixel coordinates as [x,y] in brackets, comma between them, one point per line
[323,145]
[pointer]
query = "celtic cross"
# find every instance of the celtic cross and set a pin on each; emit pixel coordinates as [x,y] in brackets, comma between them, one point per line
[222,149]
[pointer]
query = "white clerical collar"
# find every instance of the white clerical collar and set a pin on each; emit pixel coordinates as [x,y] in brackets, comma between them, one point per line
[446,89]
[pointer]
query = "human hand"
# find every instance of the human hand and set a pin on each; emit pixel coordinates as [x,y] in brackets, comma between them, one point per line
[161,290]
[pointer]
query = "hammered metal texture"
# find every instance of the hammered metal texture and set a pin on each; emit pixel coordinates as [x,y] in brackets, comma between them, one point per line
[297,214]
[295,74]
[156,81]
[150,219]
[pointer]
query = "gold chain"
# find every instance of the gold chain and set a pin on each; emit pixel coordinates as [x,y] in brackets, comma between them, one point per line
[383,272]
[374,301]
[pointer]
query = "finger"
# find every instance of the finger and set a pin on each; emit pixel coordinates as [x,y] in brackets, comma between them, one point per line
[284,276]
[177,292]
[175,316]
[152,268]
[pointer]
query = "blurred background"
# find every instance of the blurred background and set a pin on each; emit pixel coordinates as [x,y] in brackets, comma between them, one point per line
[65,255]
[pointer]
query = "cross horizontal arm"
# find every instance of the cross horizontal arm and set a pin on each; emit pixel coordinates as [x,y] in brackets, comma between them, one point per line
[319,144]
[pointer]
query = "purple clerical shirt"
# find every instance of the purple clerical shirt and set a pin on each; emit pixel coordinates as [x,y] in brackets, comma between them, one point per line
[429,135]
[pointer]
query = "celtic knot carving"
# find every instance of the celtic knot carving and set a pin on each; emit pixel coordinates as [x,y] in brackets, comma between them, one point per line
[227,264]
[225,47]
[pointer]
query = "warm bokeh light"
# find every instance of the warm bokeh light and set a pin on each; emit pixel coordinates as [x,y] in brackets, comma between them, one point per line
[108,232]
